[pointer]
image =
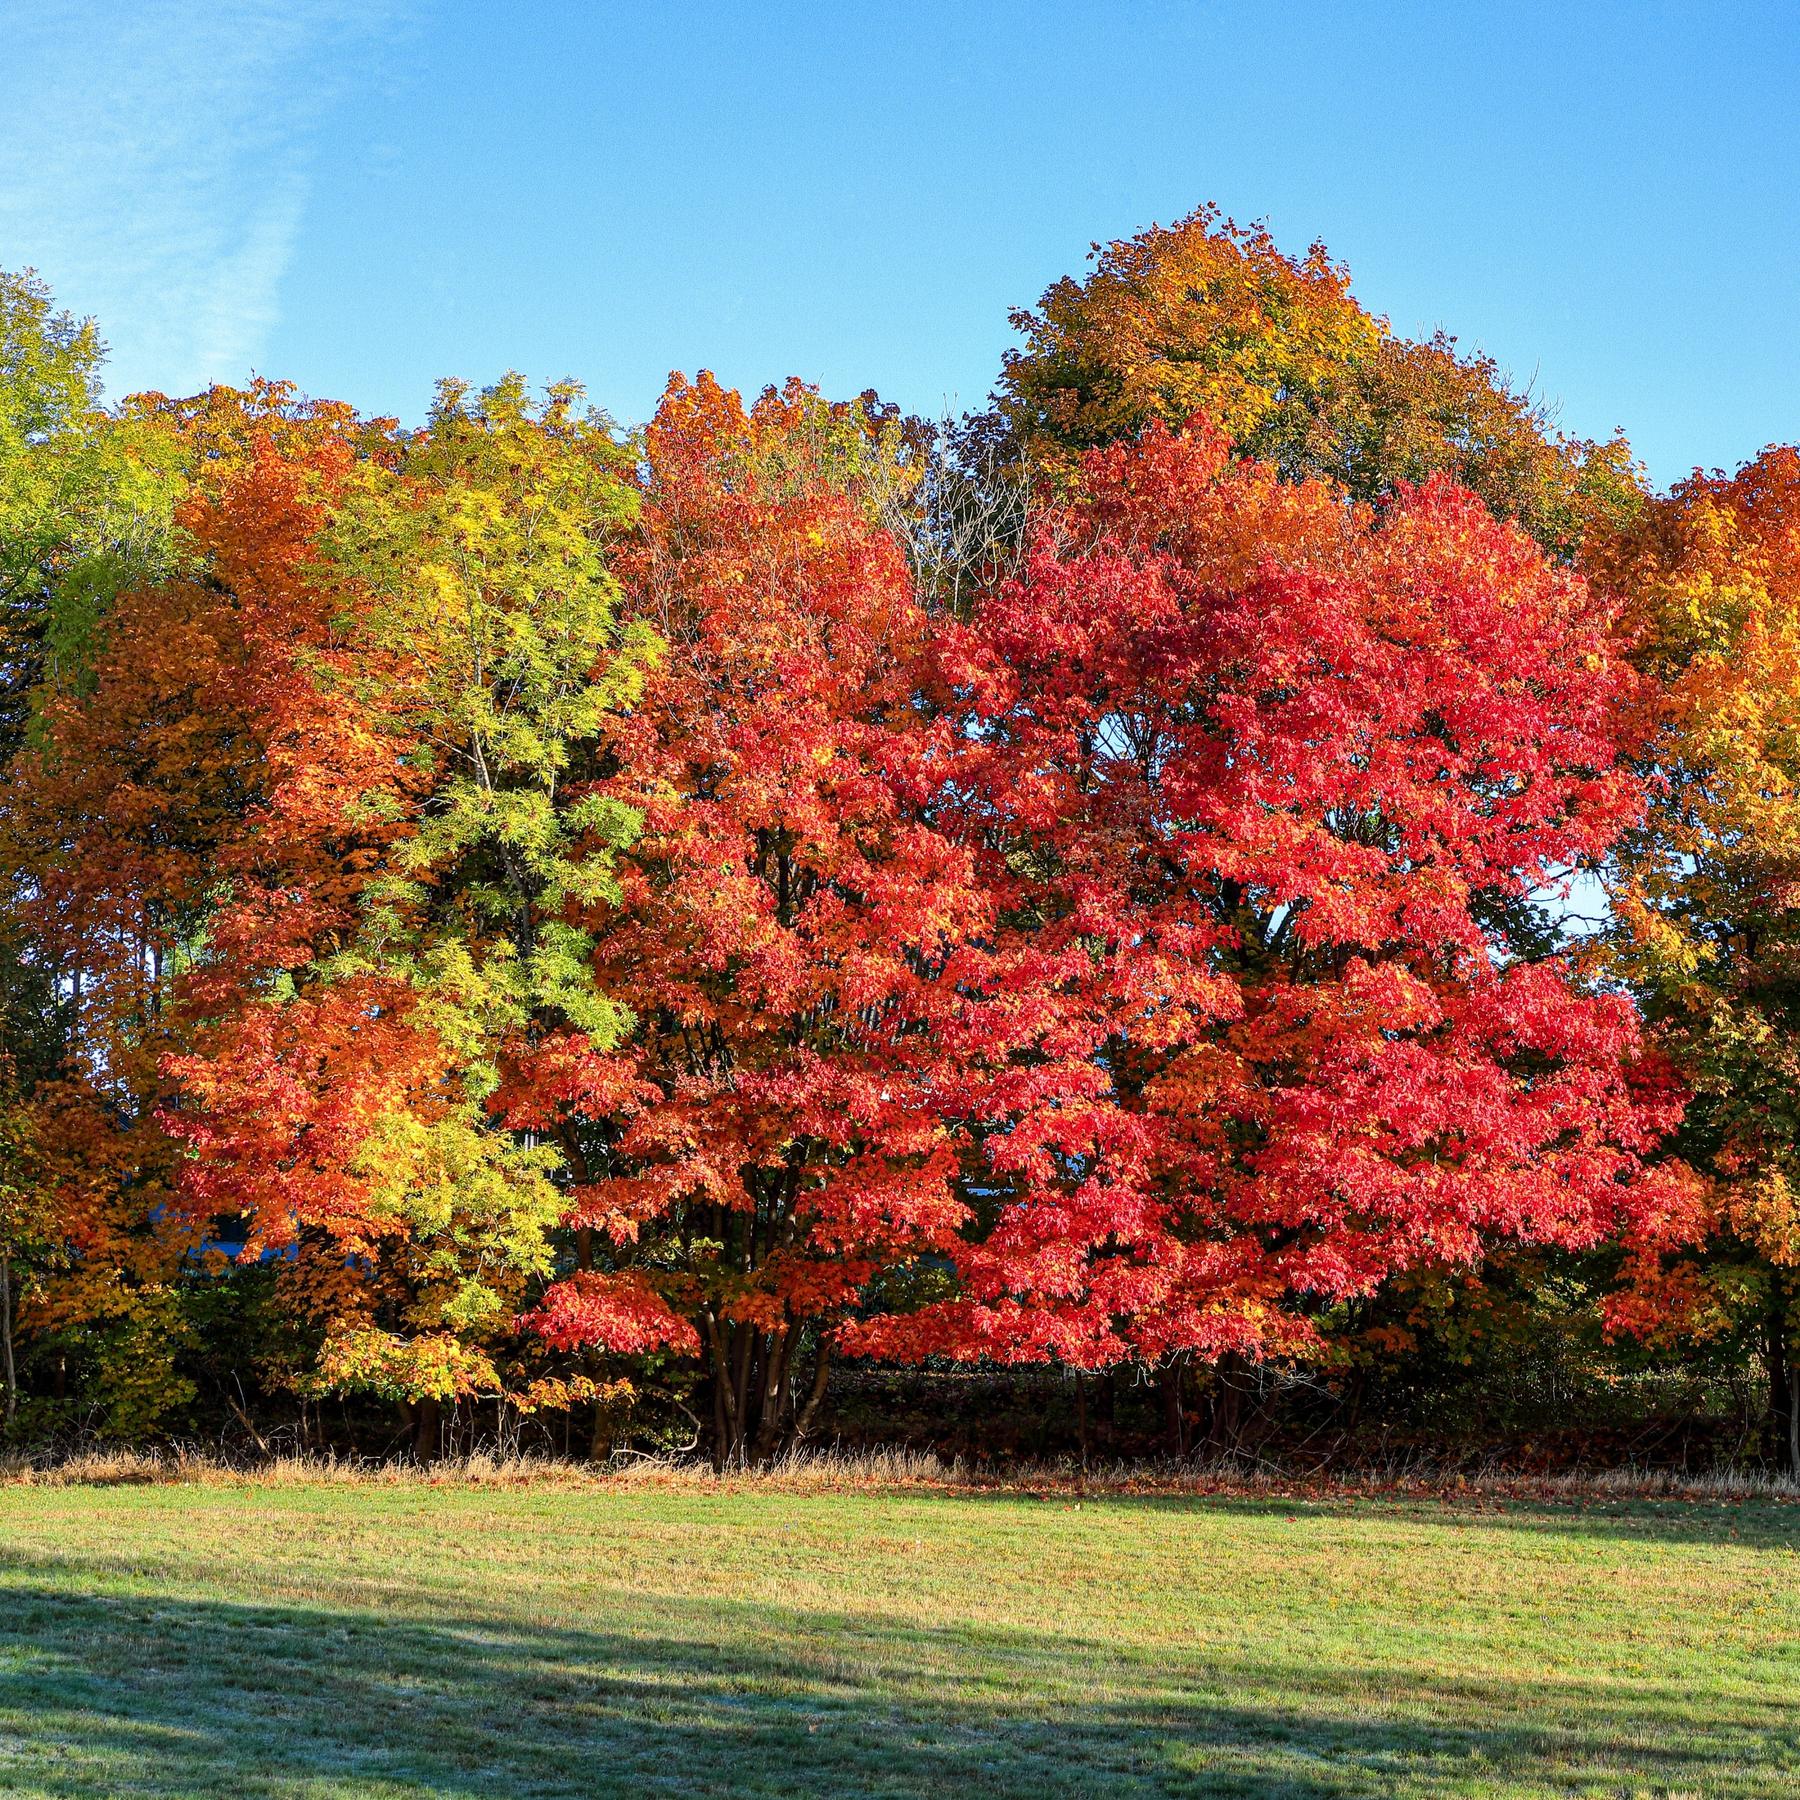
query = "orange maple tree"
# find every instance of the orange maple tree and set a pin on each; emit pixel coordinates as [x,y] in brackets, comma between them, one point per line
[1206,318]
[1707,898]
[130,811]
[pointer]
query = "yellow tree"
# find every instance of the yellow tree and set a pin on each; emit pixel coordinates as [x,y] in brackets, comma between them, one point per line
[399,989]
[1708,896]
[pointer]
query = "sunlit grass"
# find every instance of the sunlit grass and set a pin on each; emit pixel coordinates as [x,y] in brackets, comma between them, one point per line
[325,1639]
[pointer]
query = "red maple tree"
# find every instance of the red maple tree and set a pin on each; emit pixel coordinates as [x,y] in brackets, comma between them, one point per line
[820,1020]
[1282,780]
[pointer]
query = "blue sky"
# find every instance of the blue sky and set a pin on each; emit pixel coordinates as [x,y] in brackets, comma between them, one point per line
[363,195]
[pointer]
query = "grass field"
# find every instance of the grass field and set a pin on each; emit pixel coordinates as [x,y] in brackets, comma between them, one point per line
[245,1640]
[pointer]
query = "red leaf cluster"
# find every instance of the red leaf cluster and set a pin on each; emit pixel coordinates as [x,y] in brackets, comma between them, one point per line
[1264,775]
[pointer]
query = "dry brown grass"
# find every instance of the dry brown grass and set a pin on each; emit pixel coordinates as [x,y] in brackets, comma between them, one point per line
[866,1471]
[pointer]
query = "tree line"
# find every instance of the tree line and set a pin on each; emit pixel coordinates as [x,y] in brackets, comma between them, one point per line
[1256,850]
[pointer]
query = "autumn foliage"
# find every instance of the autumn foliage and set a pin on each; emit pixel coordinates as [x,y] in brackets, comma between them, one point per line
[1708,898]
[1208,319]
[511,915]
[1273,780]
[803,945]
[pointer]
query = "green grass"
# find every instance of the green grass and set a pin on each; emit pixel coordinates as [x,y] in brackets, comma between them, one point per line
[233,1639]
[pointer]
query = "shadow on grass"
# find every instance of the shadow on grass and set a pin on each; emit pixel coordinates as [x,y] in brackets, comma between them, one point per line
[140,1693]
[1753,1523]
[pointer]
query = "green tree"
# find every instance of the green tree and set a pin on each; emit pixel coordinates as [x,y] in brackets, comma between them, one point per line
[87,496]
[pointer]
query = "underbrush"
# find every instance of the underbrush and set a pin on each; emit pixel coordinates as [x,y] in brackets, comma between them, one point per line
[853,1471]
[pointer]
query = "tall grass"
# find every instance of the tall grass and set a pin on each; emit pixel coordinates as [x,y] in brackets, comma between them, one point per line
[863,1471]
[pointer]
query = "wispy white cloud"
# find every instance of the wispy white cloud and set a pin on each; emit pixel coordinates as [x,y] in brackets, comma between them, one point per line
[154,162]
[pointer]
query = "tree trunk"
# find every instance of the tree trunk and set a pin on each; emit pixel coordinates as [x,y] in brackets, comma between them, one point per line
[1224,1424]
[728,1358]
[427,1422]
[1793,1421]
[721,1425]
[757,1410]
[1784,1389]
[1174,1421]
[774,1397]
[808,1414]
[6,1336]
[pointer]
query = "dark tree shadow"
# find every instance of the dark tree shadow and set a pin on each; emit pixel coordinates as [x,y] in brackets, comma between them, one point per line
[137,1693]
[1755,1522]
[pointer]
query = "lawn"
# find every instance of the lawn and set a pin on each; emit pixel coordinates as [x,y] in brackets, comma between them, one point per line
[235,1639]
